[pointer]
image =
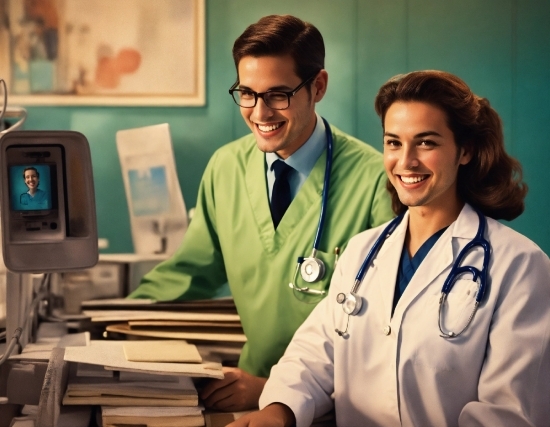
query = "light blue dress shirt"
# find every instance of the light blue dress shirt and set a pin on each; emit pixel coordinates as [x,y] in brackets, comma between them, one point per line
[302,161]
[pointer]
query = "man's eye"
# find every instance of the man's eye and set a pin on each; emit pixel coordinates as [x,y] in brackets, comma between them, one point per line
[246,94]
[277,96]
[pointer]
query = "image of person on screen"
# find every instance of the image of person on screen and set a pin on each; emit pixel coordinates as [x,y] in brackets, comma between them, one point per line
[34,197]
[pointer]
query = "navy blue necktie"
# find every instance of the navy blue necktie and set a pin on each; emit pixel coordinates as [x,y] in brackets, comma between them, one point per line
[280,197]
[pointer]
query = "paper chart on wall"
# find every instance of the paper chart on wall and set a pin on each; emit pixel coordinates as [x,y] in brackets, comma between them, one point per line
[158,216]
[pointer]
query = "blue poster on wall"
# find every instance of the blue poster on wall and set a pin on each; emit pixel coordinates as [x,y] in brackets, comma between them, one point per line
[149,191]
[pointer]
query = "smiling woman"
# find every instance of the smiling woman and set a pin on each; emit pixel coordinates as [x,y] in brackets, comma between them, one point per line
[422,161]
[492,180]
[448,306]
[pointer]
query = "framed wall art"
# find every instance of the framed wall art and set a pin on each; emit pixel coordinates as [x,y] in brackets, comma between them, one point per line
[103,52]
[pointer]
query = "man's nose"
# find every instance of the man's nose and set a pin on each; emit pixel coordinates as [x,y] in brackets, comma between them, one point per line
[261,110]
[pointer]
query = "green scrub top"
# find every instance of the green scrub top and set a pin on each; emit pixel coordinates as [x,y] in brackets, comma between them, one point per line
[231,239]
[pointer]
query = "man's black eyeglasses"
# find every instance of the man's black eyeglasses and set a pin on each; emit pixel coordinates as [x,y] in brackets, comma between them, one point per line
[275,99]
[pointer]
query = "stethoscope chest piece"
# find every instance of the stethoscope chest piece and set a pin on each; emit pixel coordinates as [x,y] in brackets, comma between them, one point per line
[351,302]
[312,269]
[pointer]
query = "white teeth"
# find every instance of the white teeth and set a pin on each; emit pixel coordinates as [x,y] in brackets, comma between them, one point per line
[269,128]
[412,179]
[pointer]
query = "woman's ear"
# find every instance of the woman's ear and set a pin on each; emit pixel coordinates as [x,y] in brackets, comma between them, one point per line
[466,154]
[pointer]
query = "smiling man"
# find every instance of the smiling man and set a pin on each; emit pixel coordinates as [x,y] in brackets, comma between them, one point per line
[260,201]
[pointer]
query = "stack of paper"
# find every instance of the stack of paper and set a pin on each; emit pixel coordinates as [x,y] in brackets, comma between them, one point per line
[116,392]
[146,383]
[213,325]
[110,355]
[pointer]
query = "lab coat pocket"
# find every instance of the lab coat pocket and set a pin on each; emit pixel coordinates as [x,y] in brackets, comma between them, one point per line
[458,306]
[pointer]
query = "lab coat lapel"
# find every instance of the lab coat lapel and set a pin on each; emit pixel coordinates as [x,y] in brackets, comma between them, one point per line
[386,264]
[440,258]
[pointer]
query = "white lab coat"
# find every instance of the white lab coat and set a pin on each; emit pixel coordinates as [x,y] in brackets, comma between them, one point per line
[397,370]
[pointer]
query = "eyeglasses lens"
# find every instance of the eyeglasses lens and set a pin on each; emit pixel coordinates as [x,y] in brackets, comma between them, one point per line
[274,100]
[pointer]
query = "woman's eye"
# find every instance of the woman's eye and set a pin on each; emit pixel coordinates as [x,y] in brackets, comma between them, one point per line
[392,143]
[426,143]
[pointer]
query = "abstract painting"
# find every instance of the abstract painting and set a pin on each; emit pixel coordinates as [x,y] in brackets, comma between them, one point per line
[103,52]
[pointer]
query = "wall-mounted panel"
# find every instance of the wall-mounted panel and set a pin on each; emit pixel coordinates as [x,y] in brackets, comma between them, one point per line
[471,39]
[531,114]
[499,47]
[381,53]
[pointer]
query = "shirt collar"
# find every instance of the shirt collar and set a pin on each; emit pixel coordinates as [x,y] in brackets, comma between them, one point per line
[303,160]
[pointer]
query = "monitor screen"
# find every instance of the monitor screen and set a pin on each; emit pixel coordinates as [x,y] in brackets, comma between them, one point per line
[31,187]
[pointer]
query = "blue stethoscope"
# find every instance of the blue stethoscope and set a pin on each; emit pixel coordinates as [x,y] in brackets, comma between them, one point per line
[312,269]
[352,303]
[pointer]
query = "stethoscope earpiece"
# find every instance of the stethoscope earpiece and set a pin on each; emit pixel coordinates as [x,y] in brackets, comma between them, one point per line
[342,334]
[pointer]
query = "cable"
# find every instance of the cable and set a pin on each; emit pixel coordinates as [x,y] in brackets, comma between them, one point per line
[41,294]
[5,103]
[8,112]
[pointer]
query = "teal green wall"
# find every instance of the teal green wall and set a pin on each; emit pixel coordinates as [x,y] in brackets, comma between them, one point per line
[501,48]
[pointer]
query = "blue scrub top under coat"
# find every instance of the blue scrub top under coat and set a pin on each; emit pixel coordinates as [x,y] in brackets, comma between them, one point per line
[408,265]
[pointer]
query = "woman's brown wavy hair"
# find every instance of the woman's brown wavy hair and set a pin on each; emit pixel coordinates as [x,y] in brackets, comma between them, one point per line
[492,180]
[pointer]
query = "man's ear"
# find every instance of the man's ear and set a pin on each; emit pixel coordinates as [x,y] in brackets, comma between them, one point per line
[320,84]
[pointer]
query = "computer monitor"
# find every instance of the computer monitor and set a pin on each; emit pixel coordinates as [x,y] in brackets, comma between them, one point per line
[48,202]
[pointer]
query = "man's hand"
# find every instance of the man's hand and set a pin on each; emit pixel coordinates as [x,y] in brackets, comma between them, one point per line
[274,415]
[238,391]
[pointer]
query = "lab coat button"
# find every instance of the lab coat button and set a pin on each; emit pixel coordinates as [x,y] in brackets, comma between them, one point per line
[387,330]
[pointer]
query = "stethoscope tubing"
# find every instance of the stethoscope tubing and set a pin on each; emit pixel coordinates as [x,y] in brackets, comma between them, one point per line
[326,187]
[313,262]
[390,228]
[456,271]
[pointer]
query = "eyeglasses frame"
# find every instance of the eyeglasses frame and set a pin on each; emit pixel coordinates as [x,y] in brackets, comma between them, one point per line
[289,94]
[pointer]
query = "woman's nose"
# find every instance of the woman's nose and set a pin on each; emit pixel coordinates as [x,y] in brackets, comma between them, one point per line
[408,158]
